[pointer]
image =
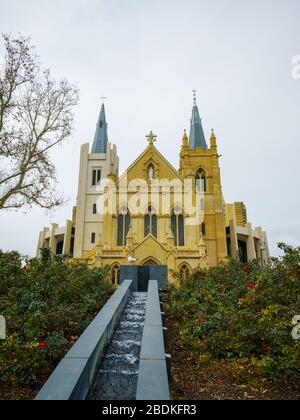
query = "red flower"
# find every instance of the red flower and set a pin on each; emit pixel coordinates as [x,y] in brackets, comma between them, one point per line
[246,269]
[201,320]
[251,285]
[266,348]
[42,344]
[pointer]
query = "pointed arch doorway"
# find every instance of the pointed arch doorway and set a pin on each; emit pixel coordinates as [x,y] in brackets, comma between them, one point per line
[150,262]
[144,275]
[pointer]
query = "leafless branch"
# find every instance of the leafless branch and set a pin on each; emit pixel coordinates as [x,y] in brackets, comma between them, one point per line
[36,114]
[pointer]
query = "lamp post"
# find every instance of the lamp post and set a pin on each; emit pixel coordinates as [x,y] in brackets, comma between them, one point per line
[262,249]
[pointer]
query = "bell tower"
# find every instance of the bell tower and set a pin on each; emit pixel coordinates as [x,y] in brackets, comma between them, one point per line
[99,164]
[200,162]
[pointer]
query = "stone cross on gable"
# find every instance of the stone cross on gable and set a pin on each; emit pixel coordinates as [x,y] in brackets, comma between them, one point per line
[151,138]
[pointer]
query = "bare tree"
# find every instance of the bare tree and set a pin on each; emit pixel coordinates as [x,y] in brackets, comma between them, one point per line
[36,113]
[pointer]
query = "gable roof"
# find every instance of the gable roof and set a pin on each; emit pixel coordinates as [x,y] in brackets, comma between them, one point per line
[156,151]
[147,238]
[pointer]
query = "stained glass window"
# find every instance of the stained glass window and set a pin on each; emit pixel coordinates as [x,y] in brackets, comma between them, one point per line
[174,227]
[177,226]
[150,223]
[203,229]
[147,225]
[154,225]
[201,184]
[96,177]
[123,227]
[120,230]
[180,230]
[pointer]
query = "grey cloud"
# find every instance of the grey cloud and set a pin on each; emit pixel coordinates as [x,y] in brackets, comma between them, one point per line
[147,57]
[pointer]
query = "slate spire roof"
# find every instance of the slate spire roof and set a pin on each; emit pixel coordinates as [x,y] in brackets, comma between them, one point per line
[100,139]
[197,138]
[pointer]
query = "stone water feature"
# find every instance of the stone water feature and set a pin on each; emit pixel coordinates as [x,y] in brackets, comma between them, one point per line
[120,355]
[117,376]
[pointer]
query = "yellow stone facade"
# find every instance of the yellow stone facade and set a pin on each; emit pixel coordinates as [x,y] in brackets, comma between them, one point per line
[123,237]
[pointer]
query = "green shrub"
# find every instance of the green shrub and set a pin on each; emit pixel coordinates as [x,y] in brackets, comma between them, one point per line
[239,312]
[47,305]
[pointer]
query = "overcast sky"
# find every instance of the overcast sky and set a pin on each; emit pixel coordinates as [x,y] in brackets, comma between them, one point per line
[147,57]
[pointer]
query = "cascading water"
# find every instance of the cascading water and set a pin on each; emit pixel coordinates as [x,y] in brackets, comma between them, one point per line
[116,379]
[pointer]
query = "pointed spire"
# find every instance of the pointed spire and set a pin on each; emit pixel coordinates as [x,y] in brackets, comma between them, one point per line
[197,138]
[100,139]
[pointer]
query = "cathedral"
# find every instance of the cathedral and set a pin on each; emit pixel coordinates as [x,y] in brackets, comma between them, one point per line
[153,213]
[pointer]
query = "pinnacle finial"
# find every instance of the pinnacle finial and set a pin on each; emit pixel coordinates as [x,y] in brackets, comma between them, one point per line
[185,139]
[103,101]
[213,139]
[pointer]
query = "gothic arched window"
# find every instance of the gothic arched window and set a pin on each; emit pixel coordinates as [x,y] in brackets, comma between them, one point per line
[177,226]
[203,229]
[201,184]
[184,272]
[150,223]
[123,226]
